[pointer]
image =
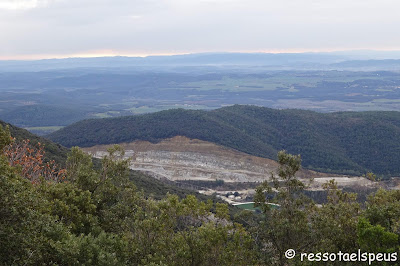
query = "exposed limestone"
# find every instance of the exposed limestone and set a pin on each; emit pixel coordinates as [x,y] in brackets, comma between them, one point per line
[180,158]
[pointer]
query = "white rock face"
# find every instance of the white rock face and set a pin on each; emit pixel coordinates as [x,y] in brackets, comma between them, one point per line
[181,158]
[194,165]
[198,165]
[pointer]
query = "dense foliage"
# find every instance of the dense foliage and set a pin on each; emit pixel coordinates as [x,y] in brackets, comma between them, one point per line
[340,225]
[345,142]
[98,217]
[53,151]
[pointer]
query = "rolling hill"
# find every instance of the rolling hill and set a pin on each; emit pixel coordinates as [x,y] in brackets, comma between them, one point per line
[150,186]
[342,142]
[53,151]
[42,116]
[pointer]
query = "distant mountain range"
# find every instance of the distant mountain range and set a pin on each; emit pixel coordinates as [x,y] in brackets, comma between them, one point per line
[270,60]
[342,142]
[360,64]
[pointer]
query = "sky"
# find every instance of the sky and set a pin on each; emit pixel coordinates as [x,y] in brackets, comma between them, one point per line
[34,29]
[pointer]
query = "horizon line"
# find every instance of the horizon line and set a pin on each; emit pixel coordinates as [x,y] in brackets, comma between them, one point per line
[101,54]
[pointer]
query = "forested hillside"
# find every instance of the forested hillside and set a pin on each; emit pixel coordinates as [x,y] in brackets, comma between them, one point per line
[81,215]
[53,151]
[42,115]
[342,142]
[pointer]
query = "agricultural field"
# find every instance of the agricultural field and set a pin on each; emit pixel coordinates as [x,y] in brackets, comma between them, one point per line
[59,98]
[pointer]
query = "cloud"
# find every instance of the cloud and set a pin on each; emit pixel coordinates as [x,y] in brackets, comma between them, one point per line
[22,4]
[58,27]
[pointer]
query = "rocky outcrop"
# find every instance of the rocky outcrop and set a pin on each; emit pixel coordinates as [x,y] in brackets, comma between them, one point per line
[180,158]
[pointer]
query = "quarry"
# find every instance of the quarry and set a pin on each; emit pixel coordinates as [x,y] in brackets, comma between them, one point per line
[181,159]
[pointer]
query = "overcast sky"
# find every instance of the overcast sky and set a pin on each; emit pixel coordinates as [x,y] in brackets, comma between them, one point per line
[62,28]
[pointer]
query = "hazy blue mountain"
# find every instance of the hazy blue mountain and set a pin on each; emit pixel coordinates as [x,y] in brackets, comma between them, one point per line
[277,61]
[42,116]
[368,64]
[243,59]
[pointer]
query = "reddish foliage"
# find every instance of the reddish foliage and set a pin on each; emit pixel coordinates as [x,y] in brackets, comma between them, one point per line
[29,160]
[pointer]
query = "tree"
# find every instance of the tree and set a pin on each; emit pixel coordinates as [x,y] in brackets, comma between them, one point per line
[379,226]
[185,232]
[80,170]
[5,137]
[29,161]
[97,217]
[27,228]
[383,208]
[286,227]
[336,221]
[376,238]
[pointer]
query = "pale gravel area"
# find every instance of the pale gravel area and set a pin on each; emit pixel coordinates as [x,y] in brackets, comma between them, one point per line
[180,158]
